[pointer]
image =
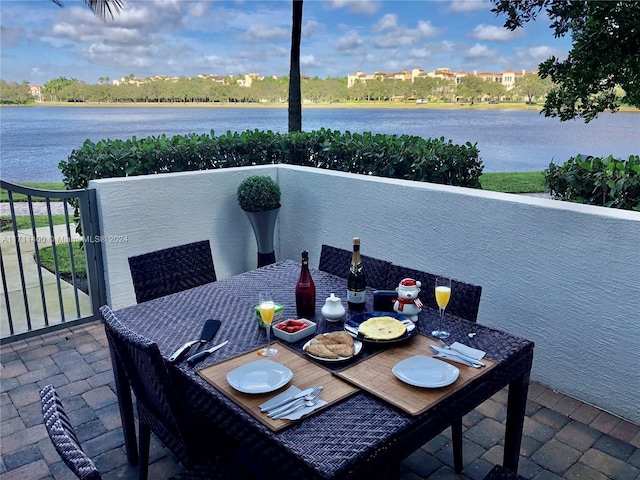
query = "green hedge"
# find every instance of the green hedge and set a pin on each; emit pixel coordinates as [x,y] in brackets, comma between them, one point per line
[406,157]
[607,182]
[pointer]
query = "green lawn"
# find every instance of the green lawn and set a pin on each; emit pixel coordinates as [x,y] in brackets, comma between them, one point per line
[64,260]
[24,221]
[513,182]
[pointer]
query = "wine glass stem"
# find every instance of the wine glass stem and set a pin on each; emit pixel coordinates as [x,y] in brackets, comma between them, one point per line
[268,337]
[441,317]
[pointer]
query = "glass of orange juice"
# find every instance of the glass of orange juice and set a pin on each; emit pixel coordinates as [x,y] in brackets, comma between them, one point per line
[267,311]
[443,294]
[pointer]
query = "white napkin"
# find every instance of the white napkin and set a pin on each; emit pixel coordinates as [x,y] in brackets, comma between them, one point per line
[296,414]
[289,392]
[468,351]
[455,350]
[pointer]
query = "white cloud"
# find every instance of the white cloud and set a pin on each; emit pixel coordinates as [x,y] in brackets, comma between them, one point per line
[401,36]
[468,5]
[420,53]
[480,51]
[394,40]
[349,43]
[387,22]
[197,10]
[358,6]
[427,30]
[310,28]
[264,32]
[309,61]
[527,57]
[491,33]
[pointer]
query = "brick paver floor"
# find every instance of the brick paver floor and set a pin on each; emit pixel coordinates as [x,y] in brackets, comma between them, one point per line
[564,438]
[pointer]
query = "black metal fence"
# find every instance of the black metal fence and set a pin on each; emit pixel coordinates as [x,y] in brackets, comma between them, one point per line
[37,223]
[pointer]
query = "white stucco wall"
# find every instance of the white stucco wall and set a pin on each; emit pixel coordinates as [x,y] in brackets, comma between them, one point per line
[161,211]
[566,276]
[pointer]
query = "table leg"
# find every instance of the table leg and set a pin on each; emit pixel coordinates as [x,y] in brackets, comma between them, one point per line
[123,392]
[516,408]
[456,441]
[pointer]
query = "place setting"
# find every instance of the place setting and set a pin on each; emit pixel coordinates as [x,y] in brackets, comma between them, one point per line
[276,384]
[415,374]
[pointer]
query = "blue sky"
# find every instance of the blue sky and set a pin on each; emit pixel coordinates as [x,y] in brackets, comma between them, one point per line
[41,41]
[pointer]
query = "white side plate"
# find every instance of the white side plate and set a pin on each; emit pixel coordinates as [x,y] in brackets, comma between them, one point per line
[261,376]
[427,372]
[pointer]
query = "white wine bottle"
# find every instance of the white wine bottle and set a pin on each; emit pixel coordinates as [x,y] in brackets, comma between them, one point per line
[356,282]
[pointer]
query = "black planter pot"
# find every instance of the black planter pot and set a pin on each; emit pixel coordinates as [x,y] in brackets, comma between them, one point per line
[263,224]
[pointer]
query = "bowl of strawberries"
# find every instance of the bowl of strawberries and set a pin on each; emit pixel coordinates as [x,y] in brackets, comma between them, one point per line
[294,329]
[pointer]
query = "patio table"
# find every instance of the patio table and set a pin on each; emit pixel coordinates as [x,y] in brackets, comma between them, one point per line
[355,438]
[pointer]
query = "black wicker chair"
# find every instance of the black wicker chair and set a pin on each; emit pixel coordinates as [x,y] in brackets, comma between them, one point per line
[337,261]
[464,303]
[465,297]
[162,410]
[171,270]
[64,437]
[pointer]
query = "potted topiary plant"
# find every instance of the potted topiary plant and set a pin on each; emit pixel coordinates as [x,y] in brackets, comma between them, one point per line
[259,197]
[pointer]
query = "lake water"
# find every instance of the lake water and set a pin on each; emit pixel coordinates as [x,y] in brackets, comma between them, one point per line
[35,139]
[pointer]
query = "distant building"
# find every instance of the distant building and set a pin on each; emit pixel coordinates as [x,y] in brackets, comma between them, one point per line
[506,78]
[36,92]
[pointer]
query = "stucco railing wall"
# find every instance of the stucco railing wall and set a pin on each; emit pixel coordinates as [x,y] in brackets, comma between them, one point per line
[161,211]
[563,275]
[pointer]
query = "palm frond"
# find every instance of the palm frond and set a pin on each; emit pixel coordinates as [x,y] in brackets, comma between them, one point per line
[100,8]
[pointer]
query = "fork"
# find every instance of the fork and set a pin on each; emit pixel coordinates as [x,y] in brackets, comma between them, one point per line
[305,403]
[308,401]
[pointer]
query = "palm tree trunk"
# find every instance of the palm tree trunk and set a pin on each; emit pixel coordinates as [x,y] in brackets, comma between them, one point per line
[295,92]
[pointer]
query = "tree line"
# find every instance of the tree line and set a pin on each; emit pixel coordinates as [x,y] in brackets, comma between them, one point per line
[275,90]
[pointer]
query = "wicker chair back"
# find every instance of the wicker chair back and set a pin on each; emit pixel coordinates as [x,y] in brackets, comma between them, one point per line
[159,408]
[171,270]
[465,297]
[195,441]
[337,261]
[63,436]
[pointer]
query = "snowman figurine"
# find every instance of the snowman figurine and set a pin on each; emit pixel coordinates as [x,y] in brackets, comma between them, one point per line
[408,303]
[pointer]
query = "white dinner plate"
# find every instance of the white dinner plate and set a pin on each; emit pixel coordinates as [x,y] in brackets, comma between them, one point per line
[261,376]
[357,346]
[427,372]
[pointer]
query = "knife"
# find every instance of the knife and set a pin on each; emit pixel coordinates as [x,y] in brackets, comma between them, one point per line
[204,353]
[209,330]
[288,400]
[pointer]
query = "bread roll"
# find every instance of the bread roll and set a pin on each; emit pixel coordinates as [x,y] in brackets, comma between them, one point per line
[331,345]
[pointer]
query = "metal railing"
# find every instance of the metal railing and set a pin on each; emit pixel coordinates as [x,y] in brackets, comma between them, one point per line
[37,300]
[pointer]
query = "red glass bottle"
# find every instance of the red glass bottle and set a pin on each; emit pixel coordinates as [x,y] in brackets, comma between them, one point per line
[305,291]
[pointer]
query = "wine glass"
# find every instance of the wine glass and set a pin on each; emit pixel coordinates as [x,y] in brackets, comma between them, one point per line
[267,311]
[443,293]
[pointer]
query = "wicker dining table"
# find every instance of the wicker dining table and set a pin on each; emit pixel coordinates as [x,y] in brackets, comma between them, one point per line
[356,437]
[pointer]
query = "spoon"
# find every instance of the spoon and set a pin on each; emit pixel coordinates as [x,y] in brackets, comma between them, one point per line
[306,401]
